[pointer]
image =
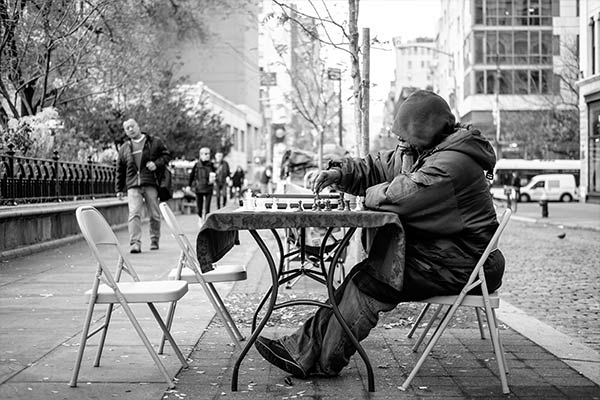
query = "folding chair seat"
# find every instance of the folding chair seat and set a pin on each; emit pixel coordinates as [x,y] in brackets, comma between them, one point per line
[108,289]
[483,301]
[188,269]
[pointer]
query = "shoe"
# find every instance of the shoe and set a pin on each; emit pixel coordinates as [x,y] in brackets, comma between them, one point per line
[154,245]
[135,248]
[274,352]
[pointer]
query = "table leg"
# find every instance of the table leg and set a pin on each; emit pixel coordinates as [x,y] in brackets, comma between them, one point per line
[338,314]
[268,311]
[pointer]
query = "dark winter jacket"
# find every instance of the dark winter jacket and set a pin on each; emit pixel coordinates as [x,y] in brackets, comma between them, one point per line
[222,173]
[442,200]
[128,175]
[199,177]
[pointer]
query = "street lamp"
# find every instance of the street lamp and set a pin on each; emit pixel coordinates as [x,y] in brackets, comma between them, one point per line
[335,74]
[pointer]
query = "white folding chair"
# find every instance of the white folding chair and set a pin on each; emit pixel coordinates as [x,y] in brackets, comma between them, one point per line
[108,289]
[485,301]
[188,269]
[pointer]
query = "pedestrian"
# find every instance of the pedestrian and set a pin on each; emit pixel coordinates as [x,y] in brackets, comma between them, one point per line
[237,182]
[201,181]
[265,179]
[222,179]
[516,184]
[141,162]
[434,180]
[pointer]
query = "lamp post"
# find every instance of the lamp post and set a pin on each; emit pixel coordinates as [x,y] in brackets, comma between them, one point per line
[335,74]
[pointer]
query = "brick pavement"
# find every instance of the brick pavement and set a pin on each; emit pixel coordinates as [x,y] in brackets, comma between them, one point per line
[462,367]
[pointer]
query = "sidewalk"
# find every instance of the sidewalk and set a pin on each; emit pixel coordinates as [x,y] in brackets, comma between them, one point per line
[568,215]
[42,309]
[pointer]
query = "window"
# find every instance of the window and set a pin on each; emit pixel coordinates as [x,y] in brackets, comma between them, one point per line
[479,40]
[534,82]
[538,185]
[553,184]
[490,82]
[556,45]
[506,82]
[521,46]
[556,8]
[479,82]
[521,81]
[547,81]
[478,12]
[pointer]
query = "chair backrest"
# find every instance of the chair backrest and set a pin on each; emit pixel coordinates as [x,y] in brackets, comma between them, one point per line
[188,251]
[492,245]
[98,233]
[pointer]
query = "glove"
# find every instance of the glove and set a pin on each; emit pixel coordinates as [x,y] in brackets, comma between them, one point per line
[326,178]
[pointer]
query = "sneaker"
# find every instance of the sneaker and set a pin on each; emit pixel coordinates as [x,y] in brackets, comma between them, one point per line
[274,352]
[154,245]
[135,248]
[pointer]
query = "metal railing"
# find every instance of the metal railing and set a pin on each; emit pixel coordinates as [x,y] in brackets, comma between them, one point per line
[34,180]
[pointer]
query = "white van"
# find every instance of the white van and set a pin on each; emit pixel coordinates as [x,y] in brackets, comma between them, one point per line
[558,187]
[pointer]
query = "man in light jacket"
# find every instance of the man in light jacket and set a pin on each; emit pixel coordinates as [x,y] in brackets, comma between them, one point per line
[435,180]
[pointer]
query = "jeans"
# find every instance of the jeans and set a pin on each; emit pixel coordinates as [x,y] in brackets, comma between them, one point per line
[221,191]
[321,346]
[203,203]
[136,197]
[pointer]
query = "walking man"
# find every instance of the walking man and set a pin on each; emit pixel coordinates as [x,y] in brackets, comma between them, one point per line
[142,158]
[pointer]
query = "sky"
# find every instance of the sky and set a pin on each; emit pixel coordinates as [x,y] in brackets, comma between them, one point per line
[387,19]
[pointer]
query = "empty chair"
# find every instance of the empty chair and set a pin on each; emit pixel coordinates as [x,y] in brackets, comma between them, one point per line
[485,301]
[107,288]
[188,269]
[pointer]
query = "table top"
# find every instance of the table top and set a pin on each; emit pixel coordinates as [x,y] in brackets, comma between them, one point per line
[227,219]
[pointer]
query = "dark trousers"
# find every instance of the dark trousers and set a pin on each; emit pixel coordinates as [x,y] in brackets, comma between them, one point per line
[203,203]
[221,195]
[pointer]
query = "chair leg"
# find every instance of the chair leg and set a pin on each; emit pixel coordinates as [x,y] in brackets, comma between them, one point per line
[500,341]
[168,335]
[142,335]
[418,321]
[225,314]
[427,328]
[84,337]
[107,318]
[169,323]
[493,327]
[480,323]
[432,342]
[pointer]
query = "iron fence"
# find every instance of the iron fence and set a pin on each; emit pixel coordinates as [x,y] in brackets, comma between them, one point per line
[35,180]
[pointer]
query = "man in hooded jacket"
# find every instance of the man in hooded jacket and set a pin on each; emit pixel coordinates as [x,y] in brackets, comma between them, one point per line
[435,181]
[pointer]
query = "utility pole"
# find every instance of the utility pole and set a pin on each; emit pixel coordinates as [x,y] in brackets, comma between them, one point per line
[496,110]
[366,83]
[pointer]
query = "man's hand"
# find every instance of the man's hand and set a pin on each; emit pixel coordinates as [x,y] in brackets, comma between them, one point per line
[326,178]
[120,195]
[151,166]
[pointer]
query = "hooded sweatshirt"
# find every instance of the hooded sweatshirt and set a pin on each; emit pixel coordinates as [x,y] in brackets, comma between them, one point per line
[443,202]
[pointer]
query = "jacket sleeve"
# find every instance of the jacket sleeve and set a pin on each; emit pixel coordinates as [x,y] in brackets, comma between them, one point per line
[163,156]
[358,174]
[192,175]
[121,171]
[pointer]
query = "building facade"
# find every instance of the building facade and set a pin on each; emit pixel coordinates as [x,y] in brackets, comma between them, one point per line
[515,62]
[589,99]
[224,68]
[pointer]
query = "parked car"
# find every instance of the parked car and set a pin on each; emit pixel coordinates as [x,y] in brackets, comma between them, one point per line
[557,187]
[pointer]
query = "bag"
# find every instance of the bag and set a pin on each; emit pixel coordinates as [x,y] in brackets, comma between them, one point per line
[164,186]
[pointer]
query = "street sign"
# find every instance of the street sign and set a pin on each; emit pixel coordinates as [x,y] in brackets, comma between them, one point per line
[334,74]
[268,78]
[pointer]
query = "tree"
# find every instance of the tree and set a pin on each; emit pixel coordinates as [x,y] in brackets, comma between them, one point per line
[323,21]
[553,130]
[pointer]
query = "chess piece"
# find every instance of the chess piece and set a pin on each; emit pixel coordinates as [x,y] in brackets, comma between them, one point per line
[347,205]
[315,206]
[327,205]
[300,207]
[359,204]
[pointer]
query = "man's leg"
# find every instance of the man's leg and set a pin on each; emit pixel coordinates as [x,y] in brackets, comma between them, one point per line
[135,202]
[199,203]
[321,345]
[151,198]
[207,199]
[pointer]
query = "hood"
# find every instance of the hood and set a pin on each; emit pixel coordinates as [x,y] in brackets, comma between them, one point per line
[473,144]
[423,120]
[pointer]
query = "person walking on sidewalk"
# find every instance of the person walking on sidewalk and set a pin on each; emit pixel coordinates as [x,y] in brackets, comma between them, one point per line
[222,179]
[201,181]
[142,158]
[434,180]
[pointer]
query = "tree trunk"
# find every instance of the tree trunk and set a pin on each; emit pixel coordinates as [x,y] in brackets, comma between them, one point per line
[354,49]
[366,47]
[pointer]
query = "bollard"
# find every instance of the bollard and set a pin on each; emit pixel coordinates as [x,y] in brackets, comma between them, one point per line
[544,205]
